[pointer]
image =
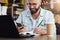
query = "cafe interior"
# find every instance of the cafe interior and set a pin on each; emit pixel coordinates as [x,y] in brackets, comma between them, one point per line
[15,7]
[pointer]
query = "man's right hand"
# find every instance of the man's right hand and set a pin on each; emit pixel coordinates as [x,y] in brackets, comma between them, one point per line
[20,29]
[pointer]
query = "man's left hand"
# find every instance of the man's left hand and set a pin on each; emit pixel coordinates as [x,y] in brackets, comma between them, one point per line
[40,30]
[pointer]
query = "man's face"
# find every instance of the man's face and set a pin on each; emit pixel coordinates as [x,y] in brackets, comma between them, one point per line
[34,5]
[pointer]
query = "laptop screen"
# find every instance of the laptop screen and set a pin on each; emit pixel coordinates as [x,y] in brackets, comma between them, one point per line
[7,27]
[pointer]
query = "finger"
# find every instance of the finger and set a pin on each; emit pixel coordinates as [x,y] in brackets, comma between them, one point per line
[23,30]
[38,28]
[35,31]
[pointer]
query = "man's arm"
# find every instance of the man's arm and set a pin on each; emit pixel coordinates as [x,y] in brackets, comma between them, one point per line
[50,29]
[50,23]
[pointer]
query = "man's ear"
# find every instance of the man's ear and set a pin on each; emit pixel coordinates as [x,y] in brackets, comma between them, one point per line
[42,3]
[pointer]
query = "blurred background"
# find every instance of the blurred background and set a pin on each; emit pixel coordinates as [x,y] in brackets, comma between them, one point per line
[14,7]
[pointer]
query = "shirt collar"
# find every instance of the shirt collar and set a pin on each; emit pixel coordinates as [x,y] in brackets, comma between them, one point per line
[41,12]
[28,13]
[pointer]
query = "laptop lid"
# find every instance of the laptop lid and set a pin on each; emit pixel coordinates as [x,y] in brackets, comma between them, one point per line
[7,27]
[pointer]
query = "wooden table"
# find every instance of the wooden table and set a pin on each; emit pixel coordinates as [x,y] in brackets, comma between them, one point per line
[35,38]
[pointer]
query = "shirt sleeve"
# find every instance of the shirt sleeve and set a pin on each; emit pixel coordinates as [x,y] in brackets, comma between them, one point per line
[19,19]
[49,18]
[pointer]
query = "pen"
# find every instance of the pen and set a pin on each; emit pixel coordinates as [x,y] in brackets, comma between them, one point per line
[40,23]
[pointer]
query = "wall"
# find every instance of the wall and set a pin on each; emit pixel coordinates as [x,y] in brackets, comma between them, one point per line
[4,1]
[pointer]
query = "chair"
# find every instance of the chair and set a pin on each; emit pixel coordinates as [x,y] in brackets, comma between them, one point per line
[58,28]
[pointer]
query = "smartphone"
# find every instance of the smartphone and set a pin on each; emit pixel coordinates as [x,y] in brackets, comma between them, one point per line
[18,24]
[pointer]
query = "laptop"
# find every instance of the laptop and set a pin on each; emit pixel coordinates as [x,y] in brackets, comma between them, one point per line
[8,28]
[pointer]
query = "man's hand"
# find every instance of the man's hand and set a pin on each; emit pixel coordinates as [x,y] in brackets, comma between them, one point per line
[40,30]
[20,29]
[37,30]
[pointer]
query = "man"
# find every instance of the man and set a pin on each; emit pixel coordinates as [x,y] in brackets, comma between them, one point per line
[36,19]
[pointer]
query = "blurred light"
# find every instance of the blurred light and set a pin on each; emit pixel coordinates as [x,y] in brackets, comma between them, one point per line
[51,4]
[58,1]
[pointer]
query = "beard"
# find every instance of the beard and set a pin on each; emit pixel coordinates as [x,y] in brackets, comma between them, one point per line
[34,10]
